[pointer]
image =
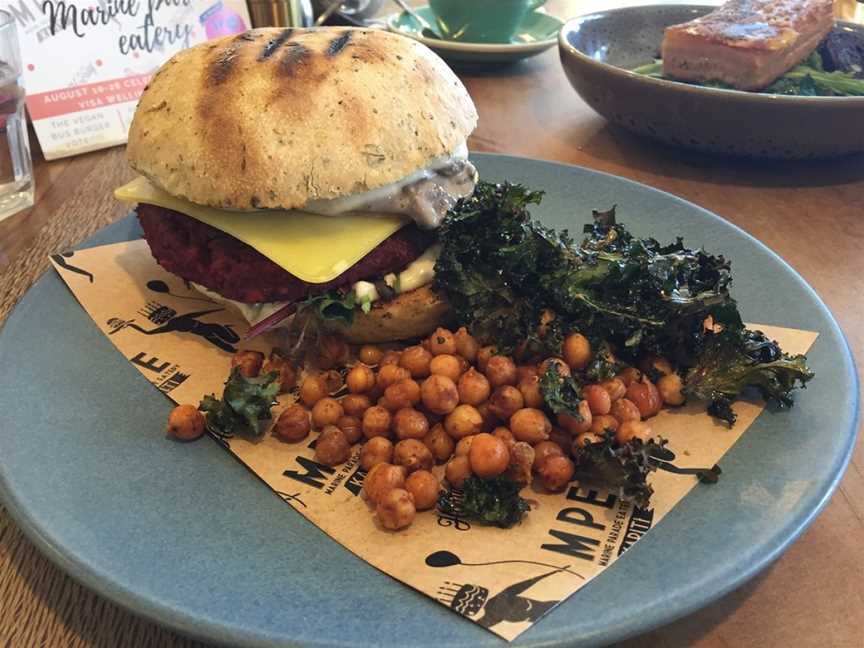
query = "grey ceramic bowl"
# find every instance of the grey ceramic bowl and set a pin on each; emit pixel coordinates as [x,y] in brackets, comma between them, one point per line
[598,51]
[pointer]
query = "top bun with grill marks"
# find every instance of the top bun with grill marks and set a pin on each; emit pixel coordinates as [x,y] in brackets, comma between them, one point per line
[274,118]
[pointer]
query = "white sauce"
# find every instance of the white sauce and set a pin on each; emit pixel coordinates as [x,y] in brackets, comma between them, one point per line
[425,195]
[418,273]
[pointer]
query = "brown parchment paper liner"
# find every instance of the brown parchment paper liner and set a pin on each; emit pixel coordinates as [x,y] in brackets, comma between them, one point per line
[503,579]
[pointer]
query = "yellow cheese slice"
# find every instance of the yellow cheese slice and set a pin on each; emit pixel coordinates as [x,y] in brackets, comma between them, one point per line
[313,248]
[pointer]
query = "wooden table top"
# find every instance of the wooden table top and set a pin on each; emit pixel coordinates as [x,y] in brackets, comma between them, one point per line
[810,213]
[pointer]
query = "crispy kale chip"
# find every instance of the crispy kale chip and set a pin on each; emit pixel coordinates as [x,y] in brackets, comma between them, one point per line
[560,393]
[244,407]
[624,468]
[489,501]
[732,361]
[503,273]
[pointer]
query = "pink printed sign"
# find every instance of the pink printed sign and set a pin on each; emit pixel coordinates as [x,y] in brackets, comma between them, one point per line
[86,62]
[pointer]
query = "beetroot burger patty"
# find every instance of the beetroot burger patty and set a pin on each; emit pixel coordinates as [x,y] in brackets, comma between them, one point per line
[205,255]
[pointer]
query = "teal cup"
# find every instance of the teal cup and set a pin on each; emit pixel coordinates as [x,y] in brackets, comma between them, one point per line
[481,21]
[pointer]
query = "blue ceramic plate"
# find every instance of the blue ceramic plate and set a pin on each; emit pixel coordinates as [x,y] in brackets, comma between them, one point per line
[184,535]
[537,33]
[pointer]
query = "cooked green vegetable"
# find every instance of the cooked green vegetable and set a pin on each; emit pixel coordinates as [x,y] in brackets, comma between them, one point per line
[560,393]
[244,407]
[490,501]
[732,361]
[500,270]
[333,306]
[809,79]
[624,469]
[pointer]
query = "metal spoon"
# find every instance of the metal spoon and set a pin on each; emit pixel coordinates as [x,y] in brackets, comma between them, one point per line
[428,31]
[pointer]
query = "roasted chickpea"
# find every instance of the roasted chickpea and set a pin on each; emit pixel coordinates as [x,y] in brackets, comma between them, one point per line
[185,423]
[645,397]
[446,365]
[404,393]
[577,351]
[458,469]
[390,375]
[391,357]
[530,425]
[424,487]
[556,471]
[333,381]
[351,427]
[505,401]
[526,371]
[625,410]
[370,355]
[604,422]
[360,379]
[381,479]
[529,387]
[375,451]
[598,399]
[331,447]
[416,360]
[293,424]
[615,387]
[546,318]
[488,455]
[396,509]
[464,446]
[483,356]
[629,375]
[574,425]
[249,362]
[312,390]
[490,419]
[505,435]
[439,394]
[376,422]
[440,444]
[521,460]
[473,387]
[630,430]
[408,423]
[466,345]
[326,412]
[500,370]
[442,341]
[332,351]
[463,421]
[670,387]
[413,454]
[563,368]
[560,436]
[356,404]
[545,449]
[585,439]
[281,365]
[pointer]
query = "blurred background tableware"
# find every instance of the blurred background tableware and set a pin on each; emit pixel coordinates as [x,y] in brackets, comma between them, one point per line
[536,33]
[428,30]
[600,50]
[16,171]
[481,21]
[346,12]
[281,13]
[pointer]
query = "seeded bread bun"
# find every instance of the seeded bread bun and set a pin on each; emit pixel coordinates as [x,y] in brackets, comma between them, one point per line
[274,118]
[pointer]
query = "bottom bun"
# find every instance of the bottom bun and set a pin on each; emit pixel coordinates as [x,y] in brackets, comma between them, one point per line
[410,315]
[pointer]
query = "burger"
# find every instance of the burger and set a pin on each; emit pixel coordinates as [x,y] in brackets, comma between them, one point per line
[279,167]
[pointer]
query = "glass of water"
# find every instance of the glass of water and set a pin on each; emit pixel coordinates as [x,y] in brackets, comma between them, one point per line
[16,169]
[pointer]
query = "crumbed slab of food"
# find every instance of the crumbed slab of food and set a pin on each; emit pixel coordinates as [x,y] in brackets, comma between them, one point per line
[746,44]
